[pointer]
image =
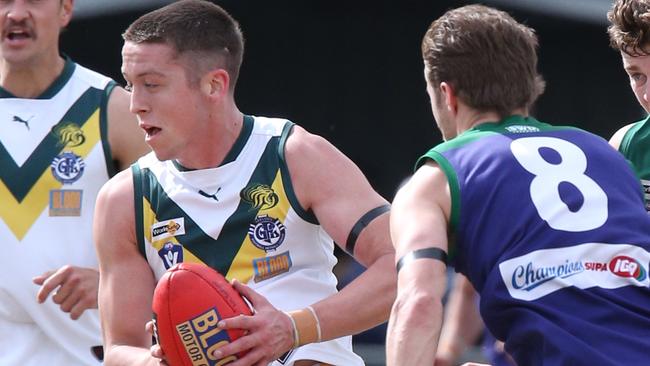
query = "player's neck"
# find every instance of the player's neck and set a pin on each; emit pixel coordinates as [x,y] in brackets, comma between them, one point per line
[474,118]
[31,78]
[214,144]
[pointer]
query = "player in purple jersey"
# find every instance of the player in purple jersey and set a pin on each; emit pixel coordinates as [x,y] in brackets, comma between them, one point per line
[548,222]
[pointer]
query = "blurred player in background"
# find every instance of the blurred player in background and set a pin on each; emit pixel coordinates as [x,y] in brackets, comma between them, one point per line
[548,222]
[65,131]
[629,33]
[463,329]
[258,199]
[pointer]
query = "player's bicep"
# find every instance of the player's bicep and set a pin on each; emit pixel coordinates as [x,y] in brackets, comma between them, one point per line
[420,212]
[339,194]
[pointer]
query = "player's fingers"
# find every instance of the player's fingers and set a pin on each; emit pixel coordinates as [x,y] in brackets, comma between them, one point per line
[255,299]
[244,343]
[41,278]
[50,284]
[66,300]
[253,357]
[237,322]
[156,351]
[149,327]
[81,304]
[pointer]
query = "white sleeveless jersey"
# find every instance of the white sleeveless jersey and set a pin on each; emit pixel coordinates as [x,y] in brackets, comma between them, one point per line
[53,160]
[242,219]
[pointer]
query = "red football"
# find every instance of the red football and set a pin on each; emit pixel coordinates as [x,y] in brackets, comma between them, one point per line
[188,302]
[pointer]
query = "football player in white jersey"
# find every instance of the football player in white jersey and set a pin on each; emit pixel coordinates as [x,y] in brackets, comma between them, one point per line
[64,127]
[182,80]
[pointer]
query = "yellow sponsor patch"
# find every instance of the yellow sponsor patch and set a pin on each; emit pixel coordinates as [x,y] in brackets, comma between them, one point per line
[65,202]
[269,267]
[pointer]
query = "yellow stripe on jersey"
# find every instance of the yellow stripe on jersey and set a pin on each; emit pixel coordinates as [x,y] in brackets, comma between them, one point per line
[20,216]
[242,266]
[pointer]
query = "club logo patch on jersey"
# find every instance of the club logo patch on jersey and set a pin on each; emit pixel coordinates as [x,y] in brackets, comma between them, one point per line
[70,135]
[171,254]
[266,233]
[542,272]
[269,267]
[65,202]
[167,229]
[522,129]
[259,196]
[67,167]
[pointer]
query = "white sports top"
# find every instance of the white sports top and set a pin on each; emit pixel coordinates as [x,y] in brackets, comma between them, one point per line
[54,158]
[242,219]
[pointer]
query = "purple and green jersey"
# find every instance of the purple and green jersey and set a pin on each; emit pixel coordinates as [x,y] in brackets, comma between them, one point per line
[635,146]
[550,228]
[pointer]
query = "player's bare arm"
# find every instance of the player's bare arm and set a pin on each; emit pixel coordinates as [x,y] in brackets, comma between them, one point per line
[126,281]
[416,318]
[333,187]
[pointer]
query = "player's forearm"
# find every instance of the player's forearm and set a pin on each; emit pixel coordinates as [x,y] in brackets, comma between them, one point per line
[413,331]
[122,355]
[362,304]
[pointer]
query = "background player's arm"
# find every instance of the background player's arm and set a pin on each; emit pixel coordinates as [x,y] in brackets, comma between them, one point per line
[462,324]
[419,219]
[125,137]
[617,137]
[126,281]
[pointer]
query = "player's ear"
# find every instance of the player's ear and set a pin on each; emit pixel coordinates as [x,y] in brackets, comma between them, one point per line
[65,13]
[215,83]
[449,96]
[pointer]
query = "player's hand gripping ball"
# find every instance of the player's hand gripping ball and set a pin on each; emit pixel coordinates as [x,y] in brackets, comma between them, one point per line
[188,302]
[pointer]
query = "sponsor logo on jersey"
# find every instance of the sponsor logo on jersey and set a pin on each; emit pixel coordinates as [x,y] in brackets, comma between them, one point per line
[266,233]
[167,229]
[23,121]
[67,167]
[521,129]
[171,254]
[65,202]
[70,135]
[201,337]
[542,272]
[269,267]
[259,196]
[625,266]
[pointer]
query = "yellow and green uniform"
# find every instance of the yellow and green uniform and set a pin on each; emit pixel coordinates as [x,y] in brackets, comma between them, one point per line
[54,157]
[243,219]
